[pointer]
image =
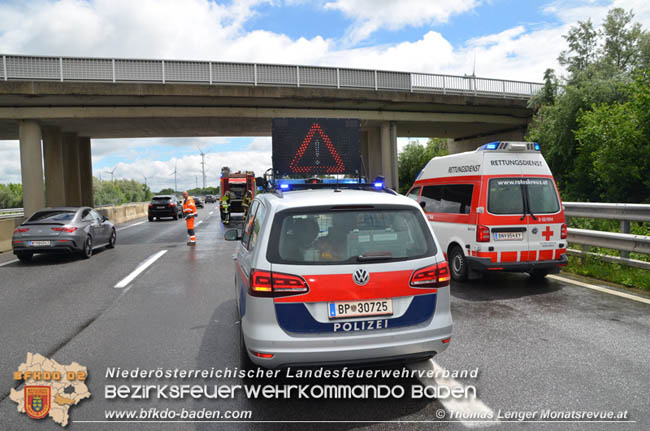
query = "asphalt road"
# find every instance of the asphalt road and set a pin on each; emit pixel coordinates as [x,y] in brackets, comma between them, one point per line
[537,345]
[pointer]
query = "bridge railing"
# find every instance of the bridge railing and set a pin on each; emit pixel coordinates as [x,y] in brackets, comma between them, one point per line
[623,242]
[71,69]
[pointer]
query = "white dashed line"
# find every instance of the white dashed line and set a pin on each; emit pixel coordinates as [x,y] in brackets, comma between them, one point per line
[131,225]
[146,264]
[457,408]
[210,213]
[600,289]
[9,263]
[199,222]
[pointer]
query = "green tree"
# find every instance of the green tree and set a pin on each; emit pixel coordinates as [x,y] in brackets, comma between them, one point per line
[11,195]
[616,137]
[412,159]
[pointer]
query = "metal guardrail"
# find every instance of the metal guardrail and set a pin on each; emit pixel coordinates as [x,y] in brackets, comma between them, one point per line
[623,242]
[70,69]
[11,213]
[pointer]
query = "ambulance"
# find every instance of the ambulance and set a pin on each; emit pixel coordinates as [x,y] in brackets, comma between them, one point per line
[494,209]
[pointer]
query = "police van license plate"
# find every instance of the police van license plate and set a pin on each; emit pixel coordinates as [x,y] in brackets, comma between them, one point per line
[508,236]
[373,307]
[38,243]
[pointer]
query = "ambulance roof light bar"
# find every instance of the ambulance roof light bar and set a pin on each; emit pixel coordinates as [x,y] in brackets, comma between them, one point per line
[510,146]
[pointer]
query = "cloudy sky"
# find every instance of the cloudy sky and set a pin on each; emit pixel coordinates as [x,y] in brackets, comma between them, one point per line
[509,39]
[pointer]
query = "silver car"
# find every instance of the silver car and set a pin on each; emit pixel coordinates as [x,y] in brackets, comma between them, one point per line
[63,230]
[338,277]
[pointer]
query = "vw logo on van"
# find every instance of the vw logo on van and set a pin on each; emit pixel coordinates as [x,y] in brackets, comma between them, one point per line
[361,277]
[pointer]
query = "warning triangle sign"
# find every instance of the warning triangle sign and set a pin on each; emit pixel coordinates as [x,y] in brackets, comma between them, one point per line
[317,154]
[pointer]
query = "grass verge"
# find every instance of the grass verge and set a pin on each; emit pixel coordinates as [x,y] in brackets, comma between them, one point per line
[612,272]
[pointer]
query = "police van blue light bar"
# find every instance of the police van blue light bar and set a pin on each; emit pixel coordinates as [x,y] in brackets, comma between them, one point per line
[489,146]
[378,183]
[284,186]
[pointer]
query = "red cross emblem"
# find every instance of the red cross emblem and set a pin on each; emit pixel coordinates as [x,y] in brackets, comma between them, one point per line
[548,233]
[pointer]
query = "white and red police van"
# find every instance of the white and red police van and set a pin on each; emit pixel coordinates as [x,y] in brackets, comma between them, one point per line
[494,209]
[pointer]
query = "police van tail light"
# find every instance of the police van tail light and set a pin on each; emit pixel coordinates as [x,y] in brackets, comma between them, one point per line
[274,284]
[563,231]
[482,234]
[431,276]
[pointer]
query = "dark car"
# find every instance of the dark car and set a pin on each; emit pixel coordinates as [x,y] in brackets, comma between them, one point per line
[210,199]
[198,202]
[165,206]
[64,229]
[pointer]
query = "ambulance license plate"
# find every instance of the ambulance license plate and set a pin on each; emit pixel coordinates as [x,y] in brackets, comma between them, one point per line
[373,307]
[508,236]
[38,243]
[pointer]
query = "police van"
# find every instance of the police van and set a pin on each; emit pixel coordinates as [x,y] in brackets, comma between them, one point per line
[494,209]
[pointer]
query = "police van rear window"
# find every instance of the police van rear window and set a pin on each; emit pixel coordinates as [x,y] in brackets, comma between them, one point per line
[326,237]
[506,196]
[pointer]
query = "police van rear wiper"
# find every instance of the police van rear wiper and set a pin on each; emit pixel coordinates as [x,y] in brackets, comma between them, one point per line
[365,257]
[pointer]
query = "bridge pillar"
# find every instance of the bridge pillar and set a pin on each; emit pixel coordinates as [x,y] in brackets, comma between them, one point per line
[473,142]
[85,171]
[71,170]
[54,167]
[31,166]
[388,138]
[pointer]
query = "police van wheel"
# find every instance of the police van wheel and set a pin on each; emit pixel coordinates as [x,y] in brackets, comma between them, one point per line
[457,264]
[245,362]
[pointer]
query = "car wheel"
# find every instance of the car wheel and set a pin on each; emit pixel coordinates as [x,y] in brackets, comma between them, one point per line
[88,248]
[25,256]
[245,362]
[112,239]
[538,274]
[457,264]
[150,218]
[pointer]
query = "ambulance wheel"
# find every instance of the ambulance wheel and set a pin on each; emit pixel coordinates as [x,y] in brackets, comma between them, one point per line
[538,274]
[457,264]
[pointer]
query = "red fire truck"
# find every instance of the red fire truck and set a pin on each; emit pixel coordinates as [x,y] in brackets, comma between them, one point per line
[237,183]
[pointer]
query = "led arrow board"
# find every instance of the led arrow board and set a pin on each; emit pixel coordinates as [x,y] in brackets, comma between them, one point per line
[311,146]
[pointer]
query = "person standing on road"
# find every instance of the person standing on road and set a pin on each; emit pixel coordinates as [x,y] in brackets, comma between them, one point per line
[225,207]
[189,212]
[247,202]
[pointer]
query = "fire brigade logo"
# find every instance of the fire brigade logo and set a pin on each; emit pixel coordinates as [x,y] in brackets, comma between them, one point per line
[37,401]
[361,277]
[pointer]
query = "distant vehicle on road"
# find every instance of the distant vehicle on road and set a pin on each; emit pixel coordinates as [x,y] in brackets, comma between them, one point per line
[236,184]
[339,276]
[210,199]
[495,209]
[63,230]
[198,202]
[165,206]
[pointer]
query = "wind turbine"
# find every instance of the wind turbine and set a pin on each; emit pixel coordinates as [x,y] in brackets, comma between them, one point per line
[112,172]
[202,164]
[174,174]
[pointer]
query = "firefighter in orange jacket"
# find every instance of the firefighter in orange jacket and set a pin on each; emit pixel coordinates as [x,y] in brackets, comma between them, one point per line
[189,211]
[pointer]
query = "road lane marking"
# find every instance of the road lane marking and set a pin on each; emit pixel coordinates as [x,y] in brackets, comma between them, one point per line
[131,225]
[600,289]
[9,262]
[200,221]
[459,408]
[144,265]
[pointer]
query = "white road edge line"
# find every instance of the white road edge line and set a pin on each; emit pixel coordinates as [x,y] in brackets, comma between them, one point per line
[459,408]
[210,213]
[144,265]
[131,225]
[199,222]
[9,262]
[600,289]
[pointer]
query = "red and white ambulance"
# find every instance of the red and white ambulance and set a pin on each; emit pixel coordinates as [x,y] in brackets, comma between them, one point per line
[494,209]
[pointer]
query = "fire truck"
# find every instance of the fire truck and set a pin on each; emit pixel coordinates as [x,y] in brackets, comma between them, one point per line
[237,183]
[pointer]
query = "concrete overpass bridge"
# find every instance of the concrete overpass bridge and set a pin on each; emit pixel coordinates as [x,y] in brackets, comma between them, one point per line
[65,102]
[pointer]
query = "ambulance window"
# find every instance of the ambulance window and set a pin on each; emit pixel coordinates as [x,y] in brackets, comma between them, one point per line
[432,195]
[505,196]
[456,199]
[542,197]
[414,194]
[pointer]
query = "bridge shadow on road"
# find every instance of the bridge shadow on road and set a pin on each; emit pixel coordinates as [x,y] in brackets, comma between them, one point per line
[220,349]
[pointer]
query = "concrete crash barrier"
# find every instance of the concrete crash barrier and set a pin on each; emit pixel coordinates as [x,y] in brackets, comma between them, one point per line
[116,214]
